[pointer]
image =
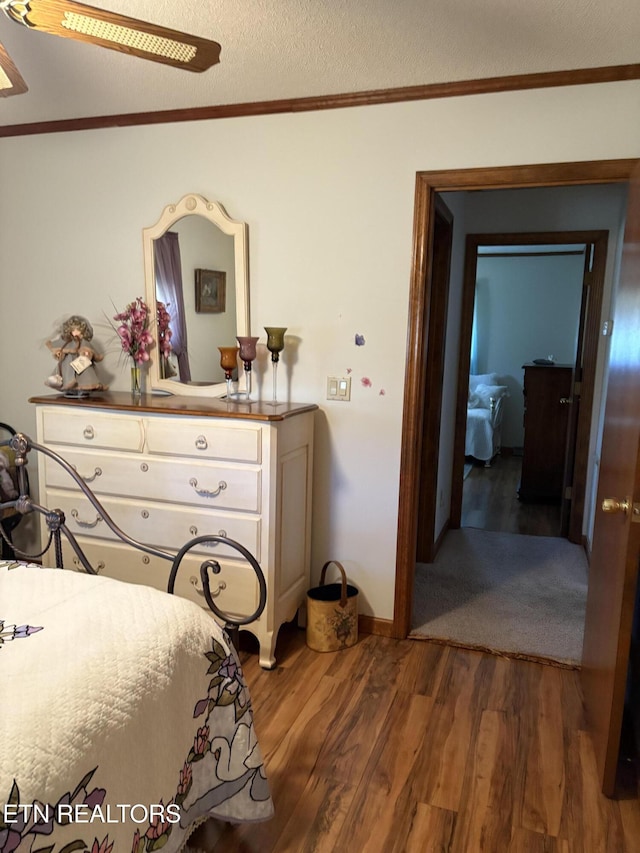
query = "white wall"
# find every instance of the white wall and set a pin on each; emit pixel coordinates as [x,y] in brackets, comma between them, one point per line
[328,197]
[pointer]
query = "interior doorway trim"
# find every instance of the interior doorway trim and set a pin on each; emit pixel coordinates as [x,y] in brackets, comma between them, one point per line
[418,369]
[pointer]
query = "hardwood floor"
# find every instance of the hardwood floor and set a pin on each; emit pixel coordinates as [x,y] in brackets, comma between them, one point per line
[490,501]
[396,746]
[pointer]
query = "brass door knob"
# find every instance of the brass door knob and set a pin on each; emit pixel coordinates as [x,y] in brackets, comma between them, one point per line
[614,505]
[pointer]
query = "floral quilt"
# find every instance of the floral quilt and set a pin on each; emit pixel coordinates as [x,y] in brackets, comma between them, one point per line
[125,718]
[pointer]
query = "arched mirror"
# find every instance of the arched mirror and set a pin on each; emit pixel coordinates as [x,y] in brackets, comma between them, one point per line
[196,265]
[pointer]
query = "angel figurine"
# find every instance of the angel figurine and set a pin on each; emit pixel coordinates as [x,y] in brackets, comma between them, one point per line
[75,358]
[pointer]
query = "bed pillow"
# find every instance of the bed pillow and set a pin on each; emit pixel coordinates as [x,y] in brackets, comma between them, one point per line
[483,379]
[484,393]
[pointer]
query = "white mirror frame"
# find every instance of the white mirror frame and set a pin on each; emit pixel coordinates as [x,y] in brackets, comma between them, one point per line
[196,205]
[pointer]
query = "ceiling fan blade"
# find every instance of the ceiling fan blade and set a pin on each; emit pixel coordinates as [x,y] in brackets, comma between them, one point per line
[11,81]
[118,32]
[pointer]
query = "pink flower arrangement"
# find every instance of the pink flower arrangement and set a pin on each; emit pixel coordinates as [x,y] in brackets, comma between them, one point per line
[133,330]
[164,331]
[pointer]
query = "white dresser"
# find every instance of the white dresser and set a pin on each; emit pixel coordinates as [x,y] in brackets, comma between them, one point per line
[167,469]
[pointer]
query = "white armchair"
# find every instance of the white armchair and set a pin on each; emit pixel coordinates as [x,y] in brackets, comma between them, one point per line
[485,408]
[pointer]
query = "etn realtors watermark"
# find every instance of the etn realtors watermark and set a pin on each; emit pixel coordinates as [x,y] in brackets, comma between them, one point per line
[82,813]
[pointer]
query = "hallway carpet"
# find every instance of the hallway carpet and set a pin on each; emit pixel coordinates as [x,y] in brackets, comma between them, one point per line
[522,596]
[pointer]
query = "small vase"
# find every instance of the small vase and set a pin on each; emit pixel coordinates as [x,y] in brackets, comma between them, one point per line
[136,380]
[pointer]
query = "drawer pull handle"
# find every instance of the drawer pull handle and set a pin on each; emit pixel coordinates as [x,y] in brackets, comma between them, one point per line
[146,559]
[80,568]
[91,477]
[201,443]
[80,523]
[195,583]
[144,467]
[88,432]
[205,493]
[145,513]
[215,544]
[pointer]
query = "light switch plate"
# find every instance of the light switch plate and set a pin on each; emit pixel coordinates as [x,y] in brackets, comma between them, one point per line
[339,388]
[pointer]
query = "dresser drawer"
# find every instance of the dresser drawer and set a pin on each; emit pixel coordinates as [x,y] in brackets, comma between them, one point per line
[93,429]
[198,482]
[204,439]
[235,589]
[154,523]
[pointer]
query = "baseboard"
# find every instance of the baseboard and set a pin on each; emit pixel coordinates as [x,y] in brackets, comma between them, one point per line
[375,625]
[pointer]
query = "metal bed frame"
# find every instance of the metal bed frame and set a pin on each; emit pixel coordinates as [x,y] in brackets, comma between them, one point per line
[21,444]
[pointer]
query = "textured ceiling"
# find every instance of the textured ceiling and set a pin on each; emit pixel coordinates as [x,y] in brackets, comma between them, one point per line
[280,49]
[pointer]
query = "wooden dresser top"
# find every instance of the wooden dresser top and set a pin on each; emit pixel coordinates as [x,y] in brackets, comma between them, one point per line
[165,404]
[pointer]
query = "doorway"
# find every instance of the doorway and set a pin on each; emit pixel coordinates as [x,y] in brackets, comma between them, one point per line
[527,304]
[545,289]
[428,184]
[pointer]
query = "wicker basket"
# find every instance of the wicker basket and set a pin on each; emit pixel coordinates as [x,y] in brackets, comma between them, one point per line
[332,613]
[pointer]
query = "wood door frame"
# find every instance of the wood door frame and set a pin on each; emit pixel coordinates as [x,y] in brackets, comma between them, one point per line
[436,332]
[414,410]
[591,331]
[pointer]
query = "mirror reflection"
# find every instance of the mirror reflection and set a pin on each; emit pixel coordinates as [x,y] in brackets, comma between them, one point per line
[196,266]
[195,279]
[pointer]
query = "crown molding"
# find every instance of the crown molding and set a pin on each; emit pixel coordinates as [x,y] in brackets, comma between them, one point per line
[542,80]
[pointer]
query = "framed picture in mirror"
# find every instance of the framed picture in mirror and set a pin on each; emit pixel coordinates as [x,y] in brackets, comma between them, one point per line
[211,287]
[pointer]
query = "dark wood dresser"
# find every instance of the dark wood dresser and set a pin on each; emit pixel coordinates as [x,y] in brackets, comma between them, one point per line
[546,420]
